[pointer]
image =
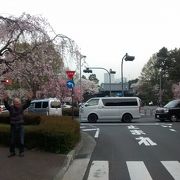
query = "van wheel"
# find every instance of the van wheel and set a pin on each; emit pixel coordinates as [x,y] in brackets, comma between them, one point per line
[173,118]
[92,118]
[127,118]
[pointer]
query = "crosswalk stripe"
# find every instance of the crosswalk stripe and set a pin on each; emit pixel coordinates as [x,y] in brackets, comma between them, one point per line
[137,170]
[99,170]
[173,167]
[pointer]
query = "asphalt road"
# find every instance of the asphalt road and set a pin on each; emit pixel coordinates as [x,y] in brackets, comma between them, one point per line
[143,150]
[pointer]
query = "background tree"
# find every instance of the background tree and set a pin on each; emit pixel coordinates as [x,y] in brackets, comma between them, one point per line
[163,66]
[92,77]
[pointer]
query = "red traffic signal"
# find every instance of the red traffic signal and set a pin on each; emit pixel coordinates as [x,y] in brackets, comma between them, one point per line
[7,81]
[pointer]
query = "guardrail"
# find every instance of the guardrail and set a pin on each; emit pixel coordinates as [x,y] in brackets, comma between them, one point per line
[148,110]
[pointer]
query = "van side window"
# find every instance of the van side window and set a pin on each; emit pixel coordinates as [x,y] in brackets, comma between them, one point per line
[45,104]
[38,105]
[119,102]
[92,102]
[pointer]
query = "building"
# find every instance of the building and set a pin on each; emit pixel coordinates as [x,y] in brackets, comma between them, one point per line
[116,89]
[106,78]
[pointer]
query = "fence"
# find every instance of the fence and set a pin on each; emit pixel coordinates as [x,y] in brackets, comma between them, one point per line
[148,111]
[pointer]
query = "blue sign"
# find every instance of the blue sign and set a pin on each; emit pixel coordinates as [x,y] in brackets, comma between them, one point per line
[70,84]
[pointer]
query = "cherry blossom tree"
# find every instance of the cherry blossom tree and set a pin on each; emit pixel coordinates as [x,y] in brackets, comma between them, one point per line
[176,90]
[35,55]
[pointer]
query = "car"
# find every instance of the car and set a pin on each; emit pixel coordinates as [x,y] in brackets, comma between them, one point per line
[171,111]
[3,109]
[66,106]
[49,106]
[110,108]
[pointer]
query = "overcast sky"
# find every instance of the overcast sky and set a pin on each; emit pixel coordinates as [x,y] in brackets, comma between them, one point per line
[105,30]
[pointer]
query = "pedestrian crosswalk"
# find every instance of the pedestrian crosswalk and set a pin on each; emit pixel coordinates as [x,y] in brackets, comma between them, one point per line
[137,170]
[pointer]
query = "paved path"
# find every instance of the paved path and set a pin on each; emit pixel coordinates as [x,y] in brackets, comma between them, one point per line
[35,165]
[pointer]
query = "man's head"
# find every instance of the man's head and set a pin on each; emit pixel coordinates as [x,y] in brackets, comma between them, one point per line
[17,102]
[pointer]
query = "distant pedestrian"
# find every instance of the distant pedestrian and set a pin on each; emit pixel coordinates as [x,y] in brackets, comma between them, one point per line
[16,122]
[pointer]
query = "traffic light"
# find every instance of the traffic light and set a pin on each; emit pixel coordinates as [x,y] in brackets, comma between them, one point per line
[87,70]
[7,81]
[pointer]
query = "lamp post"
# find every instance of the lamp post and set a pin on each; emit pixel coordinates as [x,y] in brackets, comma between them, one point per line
[88,70]
[80,82]
[126,57]
[160,89]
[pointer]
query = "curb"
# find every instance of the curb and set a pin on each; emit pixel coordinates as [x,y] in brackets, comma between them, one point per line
[70,157]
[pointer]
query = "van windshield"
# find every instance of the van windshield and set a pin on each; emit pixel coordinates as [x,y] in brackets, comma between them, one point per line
[92,102]
[55,104]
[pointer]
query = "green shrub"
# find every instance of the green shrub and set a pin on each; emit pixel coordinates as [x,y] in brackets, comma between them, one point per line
[58,134]
[29,119]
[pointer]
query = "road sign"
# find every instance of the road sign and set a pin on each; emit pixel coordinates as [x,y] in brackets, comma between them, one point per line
[70,84]
[70,74]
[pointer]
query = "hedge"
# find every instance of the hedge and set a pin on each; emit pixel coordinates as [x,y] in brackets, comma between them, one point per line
[68,111]
[57,134]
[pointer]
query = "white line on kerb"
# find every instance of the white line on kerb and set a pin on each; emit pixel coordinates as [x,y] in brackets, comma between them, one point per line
[99,170]
[89,129]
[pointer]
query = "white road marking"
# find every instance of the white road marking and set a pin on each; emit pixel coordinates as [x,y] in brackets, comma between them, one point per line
[125,124]
[146,141]
[97,133]
[95,129]
[173,168]
[99,170]
[137,132]
[132,127]
[138,171]
[82,127]
[172,130]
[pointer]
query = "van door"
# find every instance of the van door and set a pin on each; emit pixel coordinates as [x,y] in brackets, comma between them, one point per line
[55,108]
[109,109]
[89,107]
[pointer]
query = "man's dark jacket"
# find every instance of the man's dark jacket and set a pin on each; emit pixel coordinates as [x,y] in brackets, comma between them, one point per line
[16,114]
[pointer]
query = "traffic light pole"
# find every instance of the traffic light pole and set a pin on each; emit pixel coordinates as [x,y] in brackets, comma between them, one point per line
[88,70]
[72,98]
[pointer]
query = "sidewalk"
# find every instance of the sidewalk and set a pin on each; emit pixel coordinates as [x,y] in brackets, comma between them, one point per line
[37,165]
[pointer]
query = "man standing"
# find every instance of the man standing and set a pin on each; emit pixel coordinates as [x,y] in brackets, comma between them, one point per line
[16,121]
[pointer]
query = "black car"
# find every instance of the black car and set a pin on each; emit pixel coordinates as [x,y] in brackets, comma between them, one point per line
[170,111]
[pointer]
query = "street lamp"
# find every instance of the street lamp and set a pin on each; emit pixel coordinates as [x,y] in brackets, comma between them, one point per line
[126,58]
[80,82]
[88,70]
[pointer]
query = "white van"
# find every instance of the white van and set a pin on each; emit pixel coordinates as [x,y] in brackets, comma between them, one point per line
[50,106]
[110,108]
